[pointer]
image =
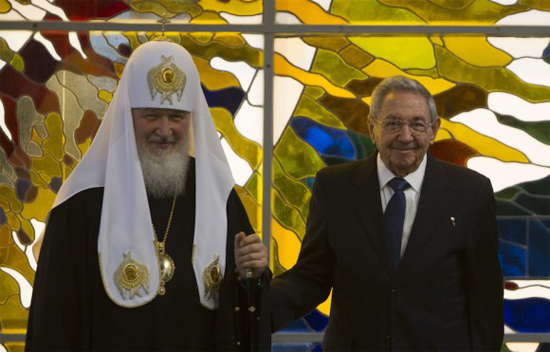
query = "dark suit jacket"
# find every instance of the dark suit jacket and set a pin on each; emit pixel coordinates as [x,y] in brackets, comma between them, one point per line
[447,291]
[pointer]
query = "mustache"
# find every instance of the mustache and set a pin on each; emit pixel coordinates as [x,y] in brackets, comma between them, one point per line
[158,139]
[404,146]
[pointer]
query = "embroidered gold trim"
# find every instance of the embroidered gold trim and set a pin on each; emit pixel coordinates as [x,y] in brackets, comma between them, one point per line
[212,277]
[131,276]
[166,78]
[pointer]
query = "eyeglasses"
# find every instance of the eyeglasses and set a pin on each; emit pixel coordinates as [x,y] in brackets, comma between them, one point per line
[396,125]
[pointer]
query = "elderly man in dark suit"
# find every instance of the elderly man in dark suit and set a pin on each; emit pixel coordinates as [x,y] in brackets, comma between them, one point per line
[407,243]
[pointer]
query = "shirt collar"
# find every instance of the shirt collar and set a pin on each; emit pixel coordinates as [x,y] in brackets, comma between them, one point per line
[414,179]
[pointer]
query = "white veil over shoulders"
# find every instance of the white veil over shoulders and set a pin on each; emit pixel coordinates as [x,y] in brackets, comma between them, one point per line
[112,162]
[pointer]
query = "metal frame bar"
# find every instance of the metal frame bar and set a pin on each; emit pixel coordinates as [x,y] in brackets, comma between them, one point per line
[282,30]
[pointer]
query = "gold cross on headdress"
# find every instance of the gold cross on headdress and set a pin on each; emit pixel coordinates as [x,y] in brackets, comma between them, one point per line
[163,21]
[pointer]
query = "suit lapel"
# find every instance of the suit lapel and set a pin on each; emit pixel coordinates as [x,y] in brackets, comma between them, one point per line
[432,207]
[367,203]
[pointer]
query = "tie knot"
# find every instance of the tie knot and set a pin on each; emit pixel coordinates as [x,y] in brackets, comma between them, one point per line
[398,184]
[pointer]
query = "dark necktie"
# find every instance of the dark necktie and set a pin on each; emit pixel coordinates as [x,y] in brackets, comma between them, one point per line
[395,217]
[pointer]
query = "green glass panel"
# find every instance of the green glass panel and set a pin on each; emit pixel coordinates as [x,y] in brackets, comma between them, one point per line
[27,117]
[334,68]
[356,57]
[308,107]
[314,92]
[287,215]
[539,130]
[299,159]
[507,193]
[330,43]
[491,79]
[361,11]
[253,186]
[293,192]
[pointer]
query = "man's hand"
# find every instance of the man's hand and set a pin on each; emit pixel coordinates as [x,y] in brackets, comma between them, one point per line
[250,253]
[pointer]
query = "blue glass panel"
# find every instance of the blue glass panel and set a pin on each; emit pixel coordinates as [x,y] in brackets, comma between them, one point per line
[323,139]
[229,98]
[318,348]
[22,186]
[512,259]
[290,347]
[55,184]
[530,315]
[546,54]
[539,249]
[317,320]
[512,230]
[546,223]
[299,325]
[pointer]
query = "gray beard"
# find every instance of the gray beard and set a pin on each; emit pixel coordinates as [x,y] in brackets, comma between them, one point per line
[164,174]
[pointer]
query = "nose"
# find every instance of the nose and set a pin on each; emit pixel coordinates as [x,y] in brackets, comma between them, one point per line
[405,134]
[164,128]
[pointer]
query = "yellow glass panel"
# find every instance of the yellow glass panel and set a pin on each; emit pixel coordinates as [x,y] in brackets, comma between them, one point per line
[437,40]
[37,180]
[235,7]
[308,12]
[480,12]
[477,51]
[5,240]
[40,207]
[253,209]
[213,79]
[404,52]
[5,6]
[443,134]
[288,244]
[202,37]
[85,146]
[209,17]
[168,7]
[298,158]
[308,107]
[288,216]
[432,72]
[13,221]
[356,57]
[15,346]
[105,96]
[27,228]
[330,43]
[13,317]
[12,257]
[47,164]
[8,193]
[332,66]
[6,54]
[372,12]
[246,149]
[325,306]
[54,142]
[231,39]
[491,79]
[254,186]
[484,145]
[383,69]
[285,68]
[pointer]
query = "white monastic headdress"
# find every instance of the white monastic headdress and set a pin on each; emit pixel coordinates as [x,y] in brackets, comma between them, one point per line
[112,162]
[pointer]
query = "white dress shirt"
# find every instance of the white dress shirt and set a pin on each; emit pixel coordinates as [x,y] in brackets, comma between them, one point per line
[412,194]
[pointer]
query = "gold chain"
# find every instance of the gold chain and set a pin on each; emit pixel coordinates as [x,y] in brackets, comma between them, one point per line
[161,244]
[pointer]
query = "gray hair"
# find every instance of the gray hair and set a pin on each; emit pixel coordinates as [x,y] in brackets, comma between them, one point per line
[399,84]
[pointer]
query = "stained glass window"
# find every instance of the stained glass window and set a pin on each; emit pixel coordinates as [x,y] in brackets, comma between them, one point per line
[492,92]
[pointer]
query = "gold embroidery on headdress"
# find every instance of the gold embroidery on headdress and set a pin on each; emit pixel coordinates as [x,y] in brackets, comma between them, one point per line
[167,79]
[131,275]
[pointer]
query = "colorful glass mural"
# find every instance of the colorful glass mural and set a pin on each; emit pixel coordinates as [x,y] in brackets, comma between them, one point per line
[493,94]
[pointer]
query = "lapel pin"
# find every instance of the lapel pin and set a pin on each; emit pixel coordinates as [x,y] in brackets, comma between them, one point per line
[453,221]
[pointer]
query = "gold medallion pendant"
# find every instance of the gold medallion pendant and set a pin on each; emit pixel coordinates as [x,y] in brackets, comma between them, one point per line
[130,276]
[212,277]
[167,267]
